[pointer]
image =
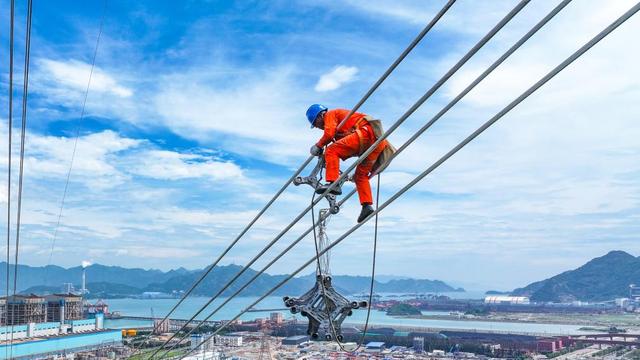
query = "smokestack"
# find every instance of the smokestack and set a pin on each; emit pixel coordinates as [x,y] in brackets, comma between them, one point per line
[85,264]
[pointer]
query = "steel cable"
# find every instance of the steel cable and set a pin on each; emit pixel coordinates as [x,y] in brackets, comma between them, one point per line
[25,93]
[444,158]
[470,87]
[408,113]
[10,131]
[413,108]
[373,88]
[75,144]
[256,275]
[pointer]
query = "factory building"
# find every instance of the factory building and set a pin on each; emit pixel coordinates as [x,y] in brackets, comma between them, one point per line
[228,340]
[204,342]
[161,326]
[549,345]
[295,340]
[37,340]
[45,346]
[507,300]
[45,329]
[61,307]
[276,318]
[375,347]
[25,309]
[418,344]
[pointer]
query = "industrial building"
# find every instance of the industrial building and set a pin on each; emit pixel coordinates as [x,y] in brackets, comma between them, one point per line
[43,329]
[507,300]
[42,346]
[295,340]
[203,342]
[549,345]
[418,344]
[36,326]
[25,309]
[375,346]
[276,318]
[61,307]
[227,340]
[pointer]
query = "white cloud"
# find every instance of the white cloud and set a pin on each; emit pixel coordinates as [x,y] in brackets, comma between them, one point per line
[335,78]
[463,17]
[50,157]
[560,171]
[74,74]
[170,165]
[106,160]
[255,114]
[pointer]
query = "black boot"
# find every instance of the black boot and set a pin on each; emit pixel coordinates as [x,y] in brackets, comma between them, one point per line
[335,191]
[367,209]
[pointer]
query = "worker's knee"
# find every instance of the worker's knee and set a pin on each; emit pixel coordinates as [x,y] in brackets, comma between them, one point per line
[360,175]
[331,151]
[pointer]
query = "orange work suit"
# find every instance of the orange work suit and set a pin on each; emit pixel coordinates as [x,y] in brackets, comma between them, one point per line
[352,139]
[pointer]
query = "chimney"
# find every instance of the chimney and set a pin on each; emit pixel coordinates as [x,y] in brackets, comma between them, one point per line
[85,264]
[84,281]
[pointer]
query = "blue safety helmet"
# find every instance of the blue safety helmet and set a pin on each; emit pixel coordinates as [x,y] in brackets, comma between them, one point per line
[313,112]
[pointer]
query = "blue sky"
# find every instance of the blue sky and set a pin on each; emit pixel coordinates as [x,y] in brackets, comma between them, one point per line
[195,116]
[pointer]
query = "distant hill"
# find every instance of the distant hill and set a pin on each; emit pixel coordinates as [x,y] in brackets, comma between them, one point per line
[52,275]
[99,290]
[603,278]
[346,284]
[113,281]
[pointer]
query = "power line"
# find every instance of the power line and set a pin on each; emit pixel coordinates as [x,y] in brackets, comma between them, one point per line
[10,120]
[75,143]
[452,103]
[408,113]
[257,274]
[448,155]
[373,88]
[25,93]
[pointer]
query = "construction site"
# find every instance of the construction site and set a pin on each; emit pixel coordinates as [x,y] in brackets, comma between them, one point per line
[25,309]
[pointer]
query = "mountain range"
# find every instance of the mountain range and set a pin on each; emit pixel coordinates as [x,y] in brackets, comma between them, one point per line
[114,281]
[603,278]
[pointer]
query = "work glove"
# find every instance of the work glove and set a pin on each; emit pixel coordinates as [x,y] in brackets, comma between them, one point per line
[315,150]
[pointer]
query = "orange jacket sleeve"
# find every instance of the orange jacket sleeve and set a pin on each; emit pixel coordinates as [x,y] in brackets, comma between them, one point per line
[331,120]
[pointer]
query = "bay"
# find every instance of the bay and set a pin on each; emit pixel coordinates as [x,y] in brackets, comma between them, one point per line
[160,307]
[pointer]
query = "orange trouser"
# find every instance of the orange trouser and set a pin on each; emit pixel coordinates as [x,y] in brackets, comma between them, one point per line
[347,147]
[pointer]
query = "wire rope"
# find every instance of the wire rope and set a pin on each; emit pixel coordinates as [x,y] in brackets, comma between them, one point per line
[577,54]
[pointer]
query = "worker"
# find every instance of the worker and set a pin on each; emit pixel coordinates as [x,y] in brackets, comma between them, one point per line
[353,138]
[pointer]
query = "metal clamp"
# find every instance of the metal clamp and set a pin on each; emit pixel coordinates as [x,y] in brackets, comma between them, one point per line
[326,310]
[313,180]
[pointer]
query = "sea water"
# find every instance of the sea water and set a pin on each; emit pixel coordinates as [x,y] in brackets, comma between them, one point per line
[160,307]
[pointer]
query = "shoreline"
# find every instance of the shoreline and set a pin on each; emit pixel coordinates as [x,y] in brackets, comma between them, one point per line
[630,323]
